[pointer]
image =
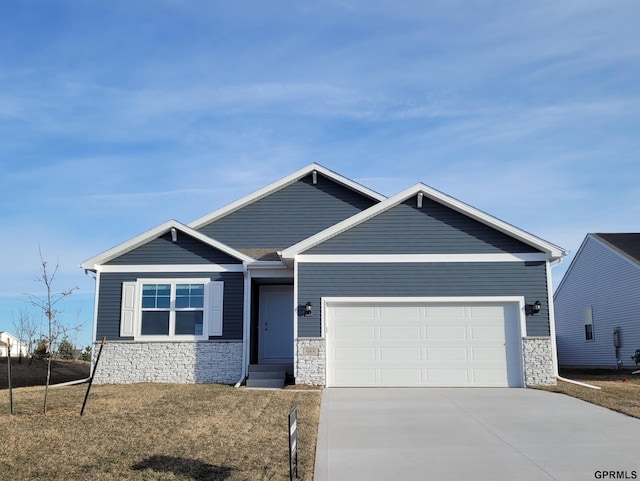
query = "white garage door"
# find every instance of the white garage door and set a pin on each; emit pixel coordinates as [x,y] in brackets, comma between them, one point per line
[380,343]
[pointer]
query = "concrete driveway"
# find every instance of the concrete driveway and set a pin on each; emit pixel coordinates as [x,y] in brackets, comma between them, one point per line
[479,434]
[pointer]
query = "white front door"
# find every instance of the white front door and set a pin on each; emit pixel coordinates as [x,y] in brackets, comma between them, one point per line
[275,339]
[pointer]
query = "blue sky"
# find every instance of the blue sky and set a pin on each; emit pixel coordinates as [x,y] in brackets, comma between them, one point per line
[117,116]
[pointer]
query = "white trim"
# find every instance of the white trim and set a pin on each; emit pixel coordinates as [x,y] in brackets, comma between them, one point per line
[171,268]
[255,265]
[96,298]
[280,184]
[145,237]
[552,321]
[246,322]
[206,310]
[393,258]
[552,251]
[271,273]
[519,300]
[295,319]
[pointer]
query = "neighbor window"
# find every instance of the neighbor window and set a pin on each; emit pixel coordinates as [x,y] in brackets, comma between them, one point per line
[183,309]
[588,323]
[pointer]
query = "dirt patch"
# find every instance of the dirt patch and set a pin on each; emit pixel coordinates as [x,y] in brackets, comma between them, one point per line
[34,372]
[620,390]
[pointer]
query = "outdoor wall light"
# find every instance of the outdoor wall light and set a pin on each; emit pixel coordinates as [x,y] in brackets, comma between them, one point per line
[534,308]
[307,309]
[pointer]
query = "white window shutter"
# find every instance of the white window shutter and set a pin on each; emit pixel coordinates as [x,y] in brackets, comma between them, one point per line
[215,308]
[128,309]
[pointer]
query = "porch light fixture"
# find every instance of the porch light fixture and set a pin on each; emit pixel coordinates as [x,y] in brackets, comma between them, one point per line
[174,234]
[307,309]
[534,308]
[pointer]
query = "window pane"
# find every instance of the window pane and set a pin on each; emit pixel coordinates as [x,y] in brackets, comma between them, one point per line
[156,296]
[189,295]
[155,323]
[189,323]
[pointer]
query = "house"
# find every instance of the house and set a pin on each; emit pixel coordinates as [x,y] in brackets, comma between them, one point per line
[598,303]
[17,348]
[335,283]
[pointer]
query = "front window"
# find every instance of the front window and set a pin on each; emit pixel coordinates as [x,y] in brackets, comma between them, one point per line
[172,309]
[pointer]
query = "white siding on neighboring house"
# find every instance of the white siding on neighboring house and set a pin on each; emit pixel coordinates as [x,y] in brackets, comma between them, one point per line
[608,283]
[16,346]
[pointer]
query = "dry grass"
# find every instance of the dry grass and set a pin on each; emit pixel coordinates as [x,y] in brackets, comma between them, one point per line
[620,389]
[156,432]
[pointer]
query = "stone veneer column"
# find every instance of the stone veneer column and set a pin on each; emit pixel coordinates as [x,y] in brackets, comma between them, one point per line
[538,361]
[129,362]
[311,361]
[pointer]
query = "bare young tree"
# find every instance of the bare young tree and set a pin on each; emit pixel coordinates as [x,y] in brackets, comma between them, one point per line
[26,327]
[48,303]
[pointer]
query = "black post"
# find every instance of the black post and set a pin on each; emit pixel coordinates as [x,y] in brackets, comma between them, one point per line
[95,366]
[9,376]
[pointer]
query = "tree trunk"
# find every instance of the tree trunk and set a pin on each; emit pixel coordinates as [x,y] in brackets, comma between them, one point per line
[46,386]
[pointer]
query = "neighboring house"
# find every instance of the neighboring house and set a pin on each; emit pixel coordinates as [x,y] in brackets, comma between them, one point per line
[17,348]
[335,282]
[598,303]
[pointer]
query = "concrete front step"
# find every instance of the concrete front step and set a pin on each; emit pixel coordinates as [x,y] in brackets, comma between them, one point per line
[271,367]
[268,375]
[266,383]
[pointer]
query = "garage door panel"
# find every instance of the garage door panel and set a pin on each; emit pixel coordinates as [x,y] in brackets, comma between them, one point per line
[447,354]
[487,354]
[406,333]
[487,311]
[425,344]
[445,312]
[354,354]
[400,354]
[355,311]
[401,377]
[354,332]
[489,332]
[395,312]
[440,333]
[447,377]
[355,377]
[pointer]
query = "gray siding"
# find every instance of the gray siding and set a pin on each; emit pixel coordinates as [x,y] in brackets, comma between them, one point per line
[317,280]
[288,215]
[610,284]
[186,250]
[111,293]
[432,229]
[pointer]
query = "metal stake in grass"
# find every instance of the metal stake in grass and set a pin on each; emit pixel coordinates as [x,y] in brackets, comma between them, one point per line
[9,376]
[95,366]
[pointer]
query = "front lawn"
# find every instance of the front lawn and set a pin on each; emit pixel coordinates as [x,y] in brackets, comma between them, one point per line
[156,432]
[620,390]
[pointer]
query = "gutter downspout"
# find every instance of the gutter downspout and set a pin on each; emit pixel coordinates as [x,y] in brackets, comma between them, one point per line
[552,323]
[246,320]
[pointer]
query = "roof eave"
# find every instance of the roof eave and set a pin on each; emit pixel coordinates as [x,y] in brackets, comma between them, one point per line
[95,262]
[280,184]
[552,251]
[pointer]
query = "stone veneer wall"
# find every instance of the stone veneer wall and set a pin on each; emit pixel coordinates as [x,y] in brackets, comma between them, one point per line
[538,361]
[169,362]
[311,361]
